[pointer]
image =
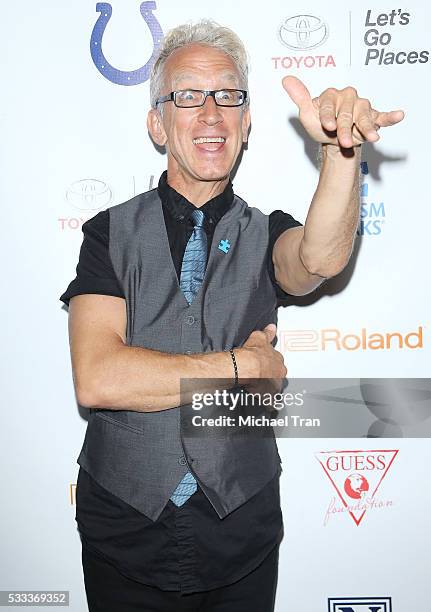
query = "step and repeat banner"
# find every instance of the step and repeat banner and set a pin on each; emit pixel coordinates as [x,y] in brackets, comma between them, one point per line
[75,96]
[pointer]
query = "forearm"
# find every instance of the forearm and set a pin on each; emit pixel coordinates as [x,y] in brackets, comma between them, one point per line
[332,220]
[145,380]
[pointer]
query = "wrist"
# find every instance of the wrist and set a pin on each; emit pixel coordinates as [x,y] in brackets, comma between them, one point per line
[247,364]
[334,152]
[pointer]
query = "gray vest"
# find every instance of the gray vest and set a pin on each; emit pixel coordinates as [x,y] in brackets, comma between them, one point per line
[141,456]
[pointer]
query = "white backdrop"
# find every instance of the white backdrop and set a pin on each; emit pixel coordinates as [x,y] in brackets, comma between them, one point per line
[75,142]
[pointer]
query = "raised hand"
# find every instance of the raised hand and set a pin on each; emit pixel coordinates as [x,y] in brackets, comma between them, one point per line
[338,116]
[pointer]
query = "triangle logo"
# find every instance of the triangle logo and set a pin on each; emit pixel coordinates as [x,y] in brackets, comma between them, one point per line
[357,477]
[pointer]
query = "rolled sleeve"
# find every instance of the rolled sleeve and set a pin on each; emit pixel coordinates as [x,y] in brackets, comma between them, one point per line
[94,272]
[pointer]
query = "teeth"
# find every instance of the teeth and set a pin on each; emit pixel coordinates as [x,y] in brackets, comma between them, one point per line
[204,139]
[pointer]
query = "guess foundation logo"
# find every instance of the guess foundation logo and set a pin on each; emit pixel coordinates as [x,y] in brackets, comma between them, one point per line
[356,477]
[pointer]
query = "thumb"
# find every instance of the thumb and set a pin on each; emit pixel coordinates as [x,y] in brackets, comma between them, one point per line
[298,92]
[270,331]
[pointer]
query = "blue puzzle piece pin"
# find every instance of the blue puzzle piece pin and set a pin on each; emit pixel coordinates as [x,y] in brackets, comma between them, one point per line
[224,245]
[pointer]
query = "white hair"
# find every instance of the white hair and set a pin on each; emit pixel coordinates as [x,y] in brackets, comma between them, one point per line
[204,32]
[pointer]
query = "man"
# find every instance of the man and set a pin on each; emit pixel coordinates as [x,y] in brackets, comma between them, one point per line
[184,282]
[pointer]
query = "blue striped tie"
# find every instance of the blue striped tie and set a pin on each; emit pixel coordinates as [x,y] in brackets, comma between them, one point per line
[192,274]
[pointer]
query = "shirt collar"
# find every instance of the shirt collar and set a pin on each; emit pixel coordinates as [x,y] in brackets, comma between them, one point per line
[181,209]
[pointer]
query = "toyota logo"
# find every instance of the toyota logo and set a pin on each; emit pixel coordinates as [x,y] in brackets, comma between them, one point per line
[303,32]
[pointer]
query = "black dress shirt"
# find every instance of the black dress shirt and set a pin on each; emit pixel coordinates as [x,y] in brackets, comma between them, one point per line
[188,548]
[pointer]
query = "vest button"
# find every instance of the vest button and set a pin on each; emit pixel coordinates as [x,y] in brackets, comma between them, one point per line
[182,461]
[190,320]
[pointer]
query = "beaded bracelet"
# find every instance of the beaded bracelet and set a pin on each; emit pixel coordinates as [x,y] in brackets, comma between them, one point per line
[232,354]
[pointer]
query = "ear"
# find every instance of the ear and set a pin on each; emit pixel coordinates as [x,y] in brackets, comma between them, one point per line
[246,120]
[155,127]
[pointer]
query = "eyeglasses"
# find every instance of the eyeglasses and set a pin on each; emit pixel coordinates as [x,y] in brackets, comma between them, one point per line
[190,98]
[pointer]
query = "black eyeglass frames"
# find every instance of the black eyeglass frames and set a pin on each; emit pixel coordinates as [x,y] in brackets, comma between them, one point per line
[191,98]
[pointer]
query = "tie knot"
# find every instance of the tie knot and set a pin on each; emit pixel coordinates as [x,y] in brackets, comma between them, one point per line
[198,217]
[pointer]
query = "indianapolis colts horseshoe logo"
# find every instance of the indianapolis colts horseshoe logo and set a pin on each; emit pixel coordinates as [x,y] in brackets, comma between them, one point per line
[124,77]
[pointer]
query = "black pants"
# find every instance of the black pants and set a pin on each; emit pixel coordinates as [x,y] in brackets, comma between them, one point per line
[110,591]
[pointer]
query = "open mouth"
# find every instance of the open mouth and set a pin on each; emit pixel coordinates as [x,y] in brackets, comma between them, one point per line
[209,143]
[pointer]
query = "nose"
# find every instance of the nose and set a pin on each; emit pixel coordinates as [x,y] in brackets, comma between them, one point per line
[210,113]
